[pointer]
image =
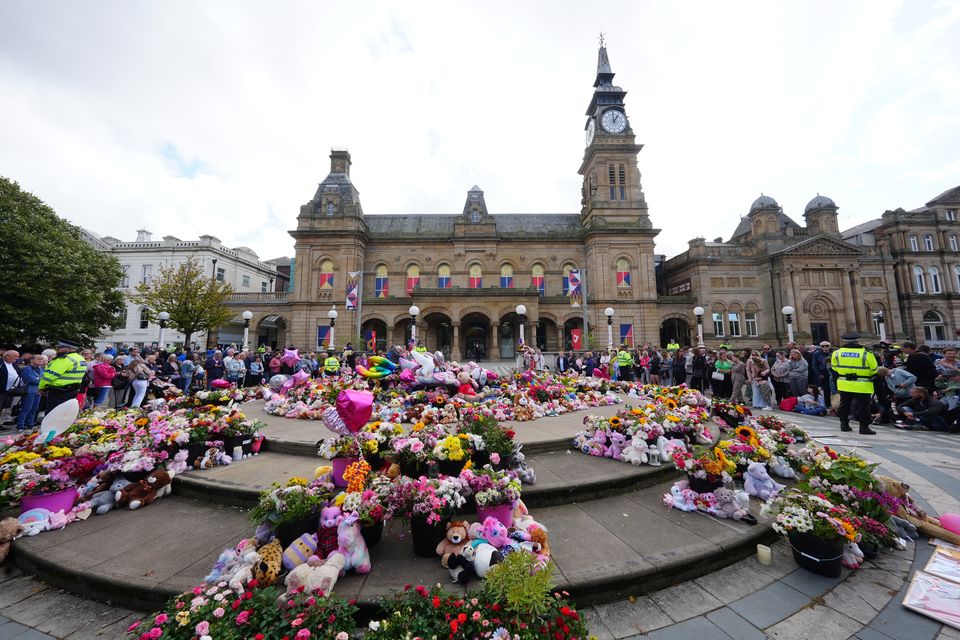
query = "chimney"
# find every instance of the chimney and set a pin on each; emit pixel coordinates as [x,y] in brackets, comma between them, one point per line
[143,235]
[339,160]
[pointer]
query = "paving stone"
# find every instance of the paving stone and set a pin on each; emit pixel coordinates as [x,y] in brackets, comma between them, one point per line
[949,633]
[19,589]
[33,634]
[80,615]
[595,624]
[699,628]
[733,625]
[624,618]
[822,623]
[736,581]
[770,605]
[811,583]
[685,600]
[110,631]
[12,630]
[8,572]
[859,598]
[870,634]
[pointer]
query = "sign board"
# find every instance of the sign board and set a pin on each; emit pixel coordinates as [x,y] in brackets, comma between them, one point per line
[679,288]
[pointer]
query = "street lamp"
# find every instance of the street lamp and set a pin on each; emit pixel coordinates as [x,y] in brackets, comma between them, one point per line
[162,317]
[414,311]
[247,317]
[522,314]
[880,325]
[332,314]
[698,312]
[609,313]
[788,316]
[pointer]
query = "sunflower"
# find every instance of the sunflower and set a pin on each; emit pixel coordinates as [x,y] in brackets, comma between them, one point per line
[745,433]
[636,412]
[614,421]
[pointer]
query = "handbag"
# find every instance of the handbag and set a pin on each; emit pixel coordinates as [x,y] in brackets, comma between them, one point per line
[17,390]
[716,375]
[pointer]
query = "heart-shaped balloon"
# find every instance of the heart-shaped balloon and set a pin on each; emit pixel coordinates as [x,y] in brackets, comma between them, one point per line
[300,377]
[219,384]
[951,522]
[333,421]
[355,408]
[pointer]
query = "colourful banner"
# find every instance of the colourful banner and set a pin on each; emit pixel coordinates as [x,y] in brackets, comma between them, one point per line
[576,338]
[575,282]
[371,337]
[623,278]
[412,282]
[506,282]
[381,287]
[352,287]
[476,282]
[323,337]
[538,284]
[326,280]
[626,334]
[444,282]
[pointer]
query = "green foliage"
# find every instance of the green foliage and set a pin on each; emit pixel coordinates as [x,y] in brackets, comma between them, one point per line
[520,585]
[195,301]
[55,284]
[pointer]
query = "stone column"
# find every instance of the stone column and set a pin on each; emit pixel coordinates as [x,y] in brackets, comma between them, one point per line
[455,345]
[848,300]
[389,336]
[859,309]
[560,345]
[495,336]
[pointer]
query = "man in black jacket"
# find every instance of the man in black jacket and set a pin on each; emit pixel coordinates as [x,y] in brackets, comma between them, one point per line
[9,378]
[920,365]
[922,411]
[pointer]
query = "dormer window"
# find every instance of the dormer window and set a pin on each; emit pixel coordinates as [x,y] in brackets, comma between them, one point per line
[474,216]
[330,208]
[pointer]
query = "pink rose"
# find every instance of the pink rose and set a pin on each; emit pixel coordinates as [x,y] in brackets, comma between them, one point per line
[203,628]
[243,617]
[218,612]
[495,458]
[160,619]
[303,633]
[156,632]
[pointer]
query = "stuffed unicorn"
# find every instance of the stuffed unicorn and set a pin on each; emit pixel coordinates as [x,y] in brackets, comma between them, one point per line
[351,544]
[681,497]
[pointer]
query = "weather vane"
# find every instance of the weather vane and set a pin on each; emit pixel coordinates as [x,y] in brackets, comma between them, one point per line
[602,41]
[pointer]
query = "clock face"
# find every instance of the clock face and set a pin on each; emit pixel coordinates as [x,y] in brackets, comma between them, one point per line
[591,129]
[614,121]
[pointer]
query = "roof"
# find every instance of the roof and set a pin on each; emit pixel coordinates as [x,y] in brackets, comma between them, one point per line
[744,227]
[863,227]
[442,225]
[820,202]
[950,196]
[763,202]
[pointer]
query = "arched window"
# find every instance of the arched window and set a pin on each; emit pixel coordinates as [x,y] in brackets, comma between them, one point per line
[718,323]
[381,283]
[326,275]
[623,274]
[444,281]
[566,277]
[537,280]
[413,278]
[506,277]
[750,319]
[144,318]
[914,244]
[122,319]
[934,279]
[331,208]
[933,328]
[953,244]
[876,313]
[474,216]
[476,277]
[918,281]
[928,242]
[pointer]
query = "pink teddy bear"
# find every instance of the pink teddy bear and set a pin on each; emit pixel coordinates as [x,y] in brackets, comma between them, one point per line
[495,533]
[330,519]
[618,442]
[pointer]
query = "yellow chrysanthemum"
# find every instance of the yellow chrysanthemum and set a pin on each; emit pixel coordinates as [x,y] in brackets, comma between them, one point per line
[338,501]
[297,481]
[58,452]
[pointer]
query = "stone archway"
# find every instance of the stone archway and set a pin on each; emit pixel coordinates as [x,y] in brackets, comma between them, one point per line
[436,332]
[373,331]
[675,328]
[475,338]
[271,331]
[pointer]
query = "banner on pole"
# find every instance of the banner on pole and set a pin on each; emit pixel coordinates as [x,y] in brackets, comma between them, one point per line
[352,286]
[575,288]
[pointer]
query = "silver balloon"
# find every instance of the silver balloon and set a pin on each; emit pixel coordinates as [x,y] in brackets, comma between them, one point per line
[334,422]
[277,381]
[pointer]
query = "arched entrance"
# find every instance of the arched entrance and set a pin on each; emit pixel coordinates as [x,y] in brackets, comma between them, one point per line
[675,329]
[438,333]
[374,334]
[475,330]
[509,335]
[272,332]
[547,335]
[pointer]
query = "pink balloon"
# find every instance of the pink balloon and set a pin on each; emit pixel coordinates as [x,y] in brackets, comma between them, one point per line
[290,357]
[355,408]
[527,375]
[951,522]
[220,384]
[286,387]
[333,421]
[300,377]
[407,375]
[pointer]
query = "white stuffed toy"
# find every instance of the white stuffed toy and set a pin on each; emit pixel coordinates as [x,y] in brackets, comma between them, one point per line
[636,451]
[316,574]
[758,482]
[779,467]
[667,447]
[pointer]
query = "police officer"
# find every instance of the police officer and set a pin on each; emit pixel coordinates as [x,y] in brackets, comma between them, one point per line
[625,363]
[855,367]
[331,365]
[420,348]
[63,376]
[672,345]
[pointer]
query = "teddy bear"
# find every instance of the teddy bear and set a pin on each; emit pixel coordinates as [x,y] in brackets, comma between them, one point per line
[179,463]
[538,536]
[780,467]
[96,484]
[460,568]
[316,574]
[758,482]
[728,506]
[681,497]
[525,473]
[493,532]
[133,492]
[242,571]
[913,514]
[618,442]
[330,519]
[482,555]
[207,461]
[456,538]
[140,494]
[852,556]
[466,387]
[351,544]
[300,551]
[104,501]
[667,447]
[636,451]
[10,528]
[522,520]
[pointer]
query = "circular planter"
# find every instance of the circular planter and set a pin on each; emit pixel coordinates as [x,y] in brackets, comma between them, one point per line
[52,502]
[290,530]
[426,536]
[339,466]
[501,512]
[703,485]
[816,554]
[451,467]
[372,534]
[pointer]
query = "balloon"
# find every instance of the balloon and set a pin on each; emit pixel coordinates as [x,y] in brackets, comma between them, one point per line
[527,375]
[408,364]
[380,367]
[300,377]
[951,522]
[407,376]
[355,408]
[290,357]
[57,420]
[219,384]
[333,421]
[267,394]
[427,365]
[276,382]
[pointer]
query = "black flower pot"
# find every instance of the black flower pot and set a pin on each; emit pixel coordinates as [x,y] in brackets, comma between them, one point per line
[480,458]
[870,549]
[375,460]
[426,536]
[372,534]
[816,554]
[195,450]
[451,467]
[703,485]
[412,469]
[290,530]
[232,442]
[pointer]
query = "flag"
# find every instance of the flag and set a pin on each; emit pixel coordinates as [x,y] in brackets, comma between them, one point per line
[623,278]
[352,286]
[444,282]
[506,282]
[538,284]
[371,337]
[381,287]
[576,295]
[326,280]
[626,334]
[412,281]
[576,338]
[476,282]
[323,337]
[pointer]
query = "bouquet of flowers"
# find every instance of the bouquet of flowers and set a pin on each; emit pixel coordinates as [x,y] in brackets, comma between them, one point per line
[340,447]
[297,500]
[430,498]
[745,447]
[452,448]
[491,487]
[712,465]
[796,511]
[28,474]
[135,460]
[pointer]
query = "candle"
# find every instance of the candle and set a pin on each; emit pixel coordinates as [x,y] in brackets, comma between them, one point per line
[764,554]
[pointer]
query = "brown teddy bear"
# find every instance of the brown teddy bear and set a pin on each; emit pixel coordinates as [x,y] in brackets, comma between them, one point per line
[538,536]
[145,492]
[927,525]
[10,528]
[455,540]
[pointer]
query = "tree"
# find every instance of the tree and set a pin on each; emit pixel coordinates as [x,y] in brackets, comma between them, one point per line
[195,301]
[55,285]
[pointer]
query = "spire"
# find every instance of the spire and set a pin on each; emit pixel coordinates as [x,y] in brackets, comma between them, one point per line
[605,93]
[604,73]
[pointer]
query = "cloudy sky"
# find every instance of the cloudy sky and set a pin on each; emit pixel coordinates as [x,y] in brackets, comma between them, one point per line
[217,117]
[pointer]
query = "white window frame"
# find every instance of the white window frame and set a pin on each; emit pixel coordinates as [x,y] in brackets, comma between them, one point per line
[953,244]
[934,280]
[914,244]
[934,330]
[928,242]
[951,215]
[124,318]
[717,324]
[733,322]
[142,321]
[876,324]
[919,282]
[244,281]
[221,274]
[146,274]
[263,286]
[750,319]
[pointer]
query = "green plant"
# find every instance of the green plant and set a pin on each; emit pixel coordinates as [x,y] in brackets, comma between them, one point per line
[520,584]
[293,502]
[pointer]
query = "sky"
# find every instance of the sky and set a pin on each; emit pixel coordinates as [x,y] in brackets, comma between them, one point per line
[218,117]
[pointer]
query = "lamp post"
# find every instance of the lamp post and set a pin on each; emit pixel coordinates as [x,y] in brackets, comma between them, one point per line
[247,317]
[162,317]
[332,314]
[414,311]
[522,315]
[609,313]
[880,325]
[788,316]
[698,312]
